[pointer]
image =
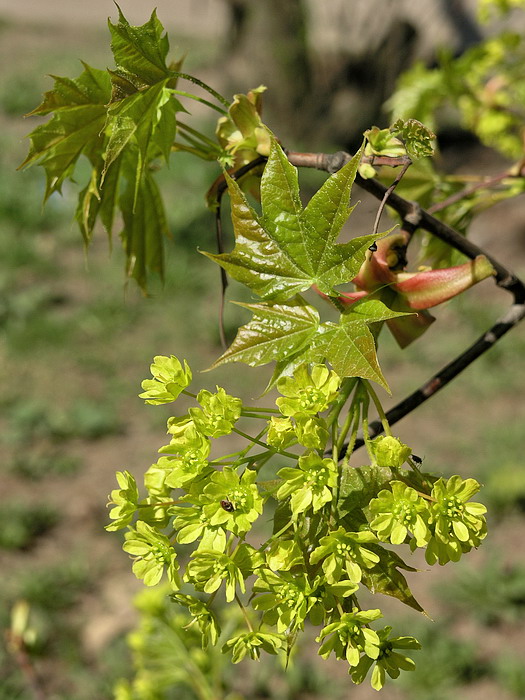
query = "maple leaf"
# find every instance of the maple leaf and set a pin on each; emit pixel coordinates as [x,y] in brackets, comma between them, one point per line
[122,120]
[288,249]
[75,128]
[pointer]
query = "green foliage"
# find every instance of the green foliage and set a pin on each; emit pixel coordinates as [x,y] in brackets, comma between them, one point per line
[289,249]
[22,524]
[482,85]
[302,542]
[495,593]
[124,121]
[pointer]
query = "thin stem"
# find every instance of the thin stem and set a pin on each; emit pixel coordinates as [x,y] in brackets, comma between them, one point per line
[346,425]
[258,464]
[387,194]
[334,442]
[347,386]
[204,86]
[249,414]
[199,135]
[366,435]
[244,452]
[338,443]
[177,146]
[488,182]
[263,444]
[226,457]
[351,444]
[379,407]
[244,613]
[198,144]
[276,535]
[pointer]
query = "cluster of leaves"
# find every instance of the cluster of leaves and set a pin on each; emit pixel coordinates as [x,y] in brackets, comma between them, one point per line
[483,85]
[329,525]
[124,121]
[200,522]
[482,91]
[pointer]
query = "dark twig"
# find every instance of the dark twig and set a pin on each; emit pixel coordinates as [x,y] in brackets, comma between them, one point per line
[407,209]
[416,217]
[504,324]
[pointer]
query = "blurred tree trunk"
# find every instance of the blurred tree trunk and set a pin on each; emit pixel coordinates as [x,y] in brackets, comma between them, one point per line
[268,45]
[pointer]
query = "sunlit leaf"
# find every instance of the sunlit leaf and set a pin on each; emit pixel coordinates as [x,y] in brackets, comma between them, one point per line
[286,250]
[76,127]
[385,577]
[275,332]
[350,348]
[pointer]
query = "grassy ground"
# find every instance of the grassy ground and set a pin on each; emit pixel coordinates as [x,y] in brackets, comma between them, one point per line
[76,343]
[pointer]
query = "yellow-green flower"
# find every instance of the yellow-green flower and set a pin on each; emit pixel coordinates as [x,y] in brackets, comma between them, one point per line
[398,513]
[307,392]
[170,378]
[310,485]
[458,524]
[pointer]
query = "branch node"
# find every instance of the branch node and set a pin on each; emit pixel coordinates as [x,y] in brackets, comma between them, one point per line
[336,161]
[414,214]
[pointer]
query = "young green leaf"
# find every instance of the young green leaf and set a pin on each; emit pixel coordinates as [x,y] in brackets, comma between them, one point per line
[286,250]
[385,577]
[418,139]
[349,347]
[144,228]
[140,52]
[275,332]
[76,127]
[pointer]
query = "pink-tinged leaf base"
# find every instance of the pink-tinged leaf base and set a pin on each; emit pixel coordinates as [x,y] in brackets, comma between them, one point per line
[423,290]
[381,275]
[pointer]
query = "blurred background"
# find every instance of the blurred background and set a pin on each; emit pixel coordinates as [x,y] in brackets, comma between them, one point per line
[76,341]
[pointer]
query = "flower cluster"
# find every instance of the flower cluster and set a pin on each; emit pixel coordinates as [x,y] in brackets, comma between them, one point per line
[310,485]
[444,522]
[329,523]
[170,379]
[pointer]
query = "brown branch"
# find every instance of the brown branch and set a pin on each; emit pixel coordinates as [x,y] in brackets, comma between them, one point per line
[332,162]
[407,210]
[504,324]
[415,217]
